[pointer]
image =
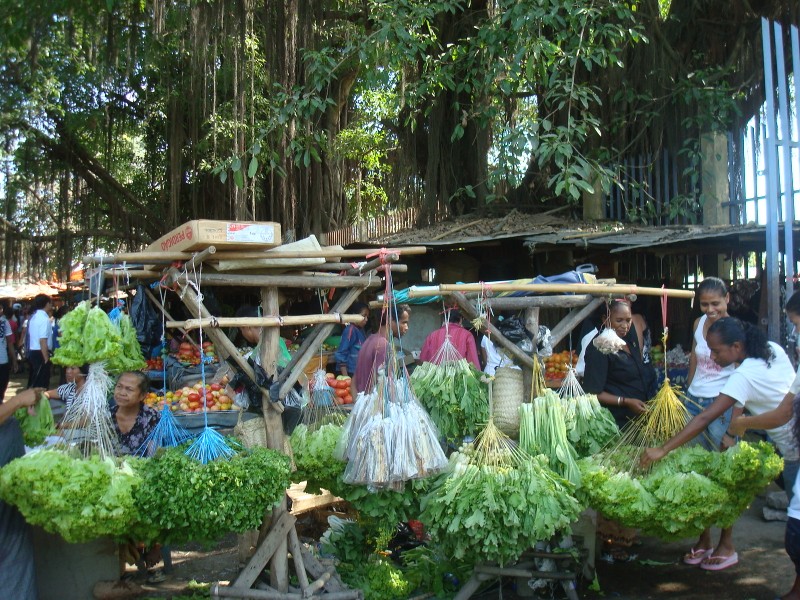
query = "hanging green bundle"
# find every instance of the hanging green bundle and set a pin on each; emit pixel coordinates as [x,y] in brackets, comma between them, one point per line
[590,426]
[70,350]
[542,430]
[130,358]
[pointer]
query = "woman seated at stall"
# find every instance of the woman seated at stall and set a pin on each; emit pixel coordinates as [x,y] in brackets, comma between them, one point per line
[352,337]
[133,420]
[759,384]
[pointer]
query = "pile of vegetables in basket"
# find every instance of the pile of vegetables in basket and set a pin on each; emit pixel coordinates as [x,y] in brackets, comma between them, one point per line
[169,498]
[687,491]
[341,388]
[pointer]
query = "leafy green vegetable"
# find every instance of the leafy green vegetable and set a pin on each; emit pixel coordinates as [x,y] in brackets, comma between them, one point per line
[37,422]
[542,430]
[189,501]
[79,499]
[430,569]
[378,578]
[592,426]
[313,457]
[686,492]
[89,336]
[453,395]
[492,513]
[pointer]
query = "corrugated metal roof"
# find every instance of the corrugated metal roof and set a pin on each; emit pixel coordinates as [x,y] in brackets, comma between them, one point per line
[550,229]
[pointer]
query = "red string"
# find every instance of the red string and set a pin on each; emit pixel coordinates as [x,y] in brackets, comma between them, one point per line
[664,308]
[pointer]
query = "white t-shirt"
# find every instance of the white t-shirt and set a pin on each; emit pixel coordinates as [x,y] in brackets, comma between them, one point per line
[39,327]
[709,377]
[580,366]
[5,333]
[494,358]
[760,388]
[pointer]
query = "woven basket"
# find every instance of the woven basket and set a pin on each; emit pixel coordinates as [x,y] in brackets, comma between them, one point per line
[506,399]
[252,432]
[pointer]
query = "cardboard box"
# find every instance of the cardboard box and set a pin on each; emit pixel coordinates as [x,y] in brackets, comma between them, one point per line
[224,235]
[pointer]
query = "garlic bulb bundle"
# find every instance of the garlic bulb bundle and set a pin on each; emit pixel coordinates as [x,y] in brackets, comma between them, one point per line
[608,342]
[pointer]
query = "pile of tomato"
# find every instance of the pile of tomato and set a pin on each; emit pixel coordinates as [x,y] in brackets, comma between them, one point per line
[341,388]
[557,364]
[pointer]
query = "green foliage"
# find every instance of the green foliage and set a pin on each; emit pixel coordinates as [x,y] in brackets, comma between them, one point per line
[79,499]
[313,457]
[487,513]
[454,396]
[37,422]
[186,500]
[430,569]
[378,578]
[686,492]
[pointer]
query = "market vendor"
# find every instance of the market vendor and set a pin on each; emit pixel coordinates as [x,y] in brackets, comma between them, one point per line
[37,344]
[252,335]
[620,379]
[759,384]
[462,340]
[16,548]
[353,337]
[375,349]
[133,420]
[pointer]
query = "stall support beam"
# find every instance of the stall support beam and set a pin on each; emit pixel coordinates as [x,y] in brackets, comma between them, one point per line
[469,310]
[573,319]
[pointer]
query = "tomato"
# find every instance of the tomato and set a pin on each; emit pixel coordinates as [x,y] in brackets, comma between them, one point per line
[186,348]
[216,387]
[194,397]
[341,392]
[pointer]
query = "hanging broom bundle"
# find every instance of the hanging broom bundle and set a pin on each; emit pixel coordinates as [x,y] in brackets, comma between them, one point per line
[666,415]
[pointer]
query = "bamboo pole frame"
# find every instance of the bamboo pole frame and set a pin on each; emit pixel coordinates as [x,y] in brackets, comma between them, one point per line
[266,321]
[169,257]
[552,288]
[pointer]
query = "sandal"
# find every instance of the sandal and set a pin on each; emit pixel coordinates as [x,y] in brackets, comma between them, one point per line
[724,562]
[696,555]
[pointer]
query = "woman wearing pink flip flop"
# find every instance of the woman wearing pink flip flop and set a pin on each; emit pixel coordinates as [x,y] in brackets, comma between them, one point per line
[705,382]
[761,380]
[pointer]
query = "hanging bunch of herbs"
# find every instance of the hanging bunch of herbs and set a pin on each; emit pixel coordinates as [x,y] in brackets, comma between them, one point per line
[590,426]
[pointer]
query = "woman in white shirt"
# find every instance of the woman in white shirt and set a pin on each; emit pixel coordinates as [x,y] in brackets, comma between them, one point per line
[759,383]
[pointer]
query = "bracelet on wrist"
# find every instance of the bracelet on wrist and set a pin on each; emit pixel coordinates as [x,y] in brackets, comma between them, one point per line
[619,400]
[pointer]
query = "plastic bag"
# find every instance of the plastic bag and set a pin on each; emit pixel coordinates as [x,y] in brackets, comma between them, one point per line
[608,342]
[146,320]
[514,330]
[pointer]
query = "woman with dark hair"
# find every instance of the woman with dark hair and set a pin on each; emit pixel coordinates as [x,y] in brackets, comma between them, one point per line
[133,420]
[761,380]
[353,337]
[76,378]
[621,380]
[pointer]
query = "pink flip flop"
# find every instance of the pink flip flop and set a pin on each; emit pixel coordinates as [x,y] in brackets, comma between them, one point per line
[728,561]
[697,555]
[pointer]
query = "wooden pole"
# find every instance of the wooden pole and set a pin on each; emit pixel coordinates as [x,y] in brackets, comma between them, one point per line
[164,311]
[497,336]
[190,324]
[270,336]
[287,379]
[318,281]
[224,347]
[574,318]
[169,257]
[557,288]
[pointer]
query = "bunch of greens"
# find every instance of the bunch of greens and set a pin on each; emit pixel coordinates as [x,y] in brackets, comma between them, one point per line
[378,578]
[431,570]
[383,507]
[490,512]
[130,358]
[186,500]
[454,396]
[542,430]
[689,490]
[79,499]
[36,422]
[592,426]
[313,457]
[88,336]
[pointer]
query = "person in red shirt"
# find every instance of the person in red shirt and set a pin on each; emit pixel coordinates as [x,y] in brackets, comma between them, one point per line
[375,349]
[463,341]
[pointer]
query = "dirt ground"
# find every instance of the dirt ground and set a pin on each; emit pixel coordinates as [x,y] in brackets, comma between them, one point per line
[763,573]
